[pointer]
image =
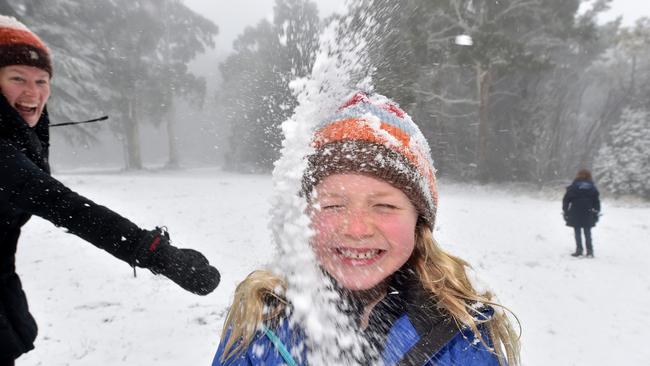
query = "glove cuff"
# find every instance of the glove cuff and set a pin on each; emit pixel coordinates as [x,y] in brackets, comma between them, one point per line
[150,243]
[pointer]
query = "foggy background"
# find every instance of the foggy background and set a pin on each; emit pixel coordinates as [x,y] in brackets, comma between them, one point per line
[545,87]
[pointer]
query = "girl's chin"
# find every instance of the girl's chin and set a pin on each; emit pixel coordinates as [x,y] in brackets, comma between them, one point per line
[358,283]
[361,287]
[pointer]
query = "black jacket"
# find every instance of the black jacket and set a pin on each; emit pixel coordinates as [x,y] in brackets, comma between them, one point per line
[581,204]
[26,188]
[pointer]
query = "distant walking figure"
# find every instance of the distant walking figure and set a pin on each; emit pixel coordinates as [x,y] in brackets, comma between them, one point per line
[581,207]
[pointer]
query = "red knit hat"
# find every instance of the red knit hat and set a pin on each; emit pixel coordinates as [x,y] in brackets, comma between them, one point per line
[19,46]
[371,135]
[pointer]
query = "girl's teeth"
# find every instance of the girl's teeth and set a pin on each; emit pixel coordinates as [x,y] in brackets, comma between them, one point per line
[359,255]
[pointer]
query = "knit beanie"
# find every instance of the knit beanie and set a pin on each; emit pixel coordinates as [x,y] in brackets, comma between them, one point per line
[19,46]
[371,135]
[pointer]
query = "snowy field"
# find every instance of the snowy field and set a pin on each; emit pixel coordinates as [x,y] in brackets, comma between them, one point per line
[92,311]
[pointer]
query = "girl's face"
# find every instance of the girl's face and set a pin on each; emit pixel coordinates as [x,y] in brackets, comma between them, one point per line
[27,89]
[365,229]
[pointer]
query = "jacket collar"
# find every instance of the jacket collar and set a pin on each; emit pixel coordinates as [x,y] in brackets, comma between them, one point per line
[407,323]
[32,141]
[11,121]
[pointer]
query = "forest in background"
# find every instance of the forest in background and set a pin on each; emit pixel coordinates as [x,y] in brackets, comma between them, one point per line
[508,90]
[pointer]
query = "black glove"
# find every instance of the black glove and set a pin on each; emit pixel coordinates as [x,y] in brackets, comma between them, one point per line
[187,267]
[595,215]
[565,215]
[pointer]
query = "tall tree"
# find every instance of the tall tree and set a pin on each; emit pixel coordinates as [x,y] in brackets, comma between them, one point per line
[128,58]
[466,68]
[146,50]
[78,90]
[621,162]
[185,35]
[622,165]
[255,96]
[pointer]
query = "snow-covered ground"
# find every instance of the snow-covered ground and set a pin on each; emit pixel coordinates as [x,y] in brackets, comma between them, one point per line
[92,311]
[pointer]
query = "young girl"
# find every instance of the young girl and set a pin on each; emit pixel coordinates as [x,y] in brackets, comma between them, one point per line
[372,191]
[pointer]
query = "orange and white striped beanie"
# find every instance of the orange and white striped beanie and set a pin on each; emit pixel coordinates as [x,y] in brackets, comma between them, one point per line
[371,135]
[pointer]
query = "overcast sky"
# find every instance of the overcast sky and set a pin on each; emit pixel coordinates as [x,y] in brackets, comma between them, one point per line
[233,16]
[630,10]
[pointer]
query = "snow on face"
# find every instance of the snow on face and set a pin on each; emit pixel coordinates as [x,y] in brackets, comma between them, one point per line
[314,300]
[365,229]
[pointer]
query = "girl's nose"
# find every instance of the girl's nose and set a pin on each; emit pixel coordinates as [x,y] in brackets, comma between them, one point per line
[358,224]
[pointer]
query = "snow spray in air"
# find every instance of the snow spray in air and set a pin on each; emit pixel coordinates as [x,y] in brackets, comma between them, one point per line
[340,68]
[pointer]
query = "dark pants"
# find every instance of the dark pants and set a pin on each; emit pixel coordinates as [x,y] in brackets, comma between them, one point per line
[6,362]
[587,231]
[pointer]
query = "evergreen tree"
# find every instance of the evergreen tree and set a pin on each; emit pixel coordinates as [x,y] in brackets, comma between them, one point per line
[622,165]
[69,29]
[466,70]
[125,58]
[146,46]
[255,96]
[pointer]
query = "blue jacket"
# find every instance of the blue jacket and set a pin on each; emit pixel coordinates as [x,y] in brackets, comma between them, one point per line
[412,332]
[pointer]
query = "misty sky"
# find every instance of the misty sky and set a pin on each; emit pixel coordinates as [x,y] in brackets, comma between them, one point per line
[232,17]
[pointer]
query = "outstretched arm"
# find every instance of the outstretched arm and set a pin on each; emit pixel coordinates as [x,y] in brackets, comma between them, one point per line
[29,189]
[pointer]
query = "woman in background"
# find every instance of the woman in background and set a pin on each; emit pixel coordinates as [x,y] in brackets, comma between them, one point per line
[581,208]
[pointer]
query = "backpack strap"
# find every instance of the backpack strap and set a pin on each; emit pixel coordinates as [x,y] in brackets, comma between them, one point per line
[282,349]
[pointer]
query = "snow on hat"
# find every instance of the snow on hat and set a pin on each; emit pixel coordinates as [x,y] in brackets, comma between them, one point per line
[371,135]
[19,46]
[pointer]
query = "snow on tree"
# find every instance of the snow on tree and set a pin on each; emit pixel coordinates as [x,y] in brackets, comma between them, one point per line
[622,165]
[255,96]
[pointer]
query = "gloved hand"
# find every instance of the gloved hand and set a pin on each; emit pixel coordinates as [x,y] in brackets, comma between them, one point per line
[565,215]
[187,267]
[595,215]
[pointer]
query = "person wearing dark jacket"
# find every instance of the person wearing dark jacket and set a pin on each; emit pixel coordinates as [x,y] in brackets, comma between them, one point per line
[27,188]
[581,208]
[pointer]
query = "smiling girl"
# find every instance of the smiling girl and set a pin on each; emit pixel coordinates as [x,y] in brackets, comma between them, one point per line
[372,192]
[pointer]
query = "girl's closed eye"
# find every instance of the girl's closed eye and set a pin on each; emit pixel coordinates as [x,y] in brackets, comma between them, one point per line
[386,207]
[331,206]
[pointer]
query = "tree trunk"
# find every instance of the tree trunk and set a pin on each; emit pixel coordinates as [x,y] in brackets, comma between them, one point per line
[172,142]
[483,90]
[133,158]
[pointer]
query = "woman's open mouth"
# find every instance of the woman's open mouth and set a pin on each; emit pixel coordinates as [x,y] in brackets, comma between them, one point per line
[26,109]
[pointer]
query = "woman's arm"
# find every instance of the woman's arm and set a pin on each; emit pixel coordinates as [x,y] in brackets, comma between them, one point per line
[27,188]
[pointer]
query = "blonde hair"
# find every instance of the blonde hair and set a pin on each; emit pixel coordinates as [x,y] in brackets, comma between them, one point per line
[258,300]
[445,276]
